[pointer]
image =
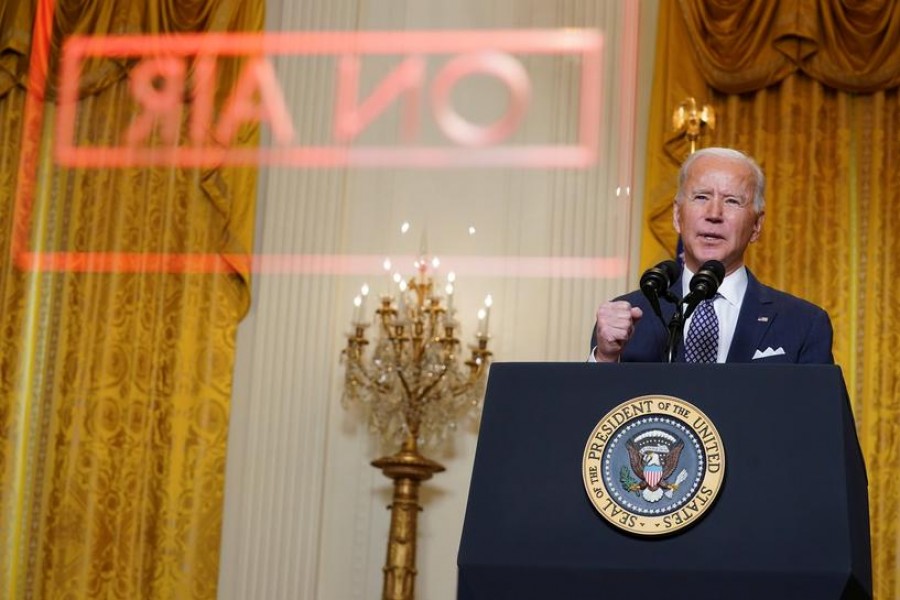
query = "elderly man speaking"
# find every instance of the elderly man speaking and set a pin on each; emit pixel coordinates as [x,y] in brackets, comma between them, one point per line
[719,211]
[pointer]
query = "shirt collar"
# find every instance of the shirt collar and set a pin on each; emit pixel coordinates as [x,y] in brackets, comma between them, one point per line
[732,289]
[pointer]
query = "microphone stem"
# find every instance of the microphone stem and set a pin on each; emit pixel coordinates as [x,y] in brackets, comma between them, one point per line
[676,327]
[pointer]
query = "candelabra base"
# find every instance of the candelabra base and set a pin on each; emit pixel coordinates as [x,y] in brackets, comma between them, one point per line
[408,469]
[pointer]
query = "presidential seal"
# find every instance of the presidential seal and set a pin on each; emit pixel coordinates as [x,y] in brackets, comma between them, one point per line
[653,465]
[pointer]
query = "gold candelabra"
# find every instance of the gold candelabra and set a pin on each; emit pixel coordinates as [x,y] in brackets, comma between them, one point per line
[413,389]
[690,120]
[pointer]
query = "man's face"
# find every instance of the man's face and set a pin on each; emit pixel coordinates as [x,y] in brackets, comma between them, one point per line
[715,214]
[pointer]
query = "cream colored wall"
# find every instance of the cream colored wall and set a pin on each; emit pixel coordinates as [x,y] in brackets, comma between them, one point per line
[305,514]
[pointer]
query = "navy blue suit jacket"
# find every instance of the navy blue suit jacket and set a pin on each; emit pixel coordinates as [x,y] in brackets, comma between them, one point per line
[768,319]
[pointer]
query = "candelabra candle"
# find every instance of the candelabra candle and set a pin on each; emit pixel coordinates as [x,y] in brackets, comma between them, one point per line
[401,304]
[357,313]
[449,290]
[364,295]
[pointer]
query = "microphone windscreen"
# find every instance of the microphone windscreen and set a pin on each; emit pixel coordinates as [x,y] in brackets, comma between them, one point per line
[716,269]
[658,279]
[672,270]
[707,280]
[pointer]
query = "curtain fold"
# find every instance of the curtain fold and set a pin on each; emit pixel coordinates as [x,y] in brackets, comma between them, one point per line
[744,45]
[810,90]
[115,384]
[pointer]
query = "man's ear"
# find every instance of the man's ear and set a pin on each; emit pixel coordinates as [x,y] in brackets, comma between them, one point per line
[757,226]
[676,213]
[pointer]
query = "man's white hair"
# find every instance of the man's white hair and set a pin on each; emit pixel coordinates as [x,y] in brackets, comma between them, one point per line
[759,179]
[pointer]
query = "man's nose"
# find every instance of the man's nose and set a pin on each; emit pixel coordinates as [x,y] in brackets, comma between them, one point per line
[715,208]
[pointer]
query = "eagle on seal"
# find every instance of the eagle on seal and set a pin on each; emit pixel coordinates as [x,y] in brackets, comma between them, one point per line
[653,465]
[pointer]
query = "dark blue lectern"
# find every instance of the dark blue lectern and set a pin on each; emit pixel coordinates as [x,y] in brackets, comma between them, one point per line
[791,520]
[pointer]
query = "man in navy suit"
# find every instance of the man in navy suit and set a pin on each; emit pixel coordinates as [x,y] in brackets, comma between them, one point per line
[719,211]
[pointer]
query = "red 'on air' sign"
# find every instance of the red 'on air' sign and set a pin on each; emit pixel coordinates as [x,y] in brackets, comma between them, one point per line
[173,86]
[174,82]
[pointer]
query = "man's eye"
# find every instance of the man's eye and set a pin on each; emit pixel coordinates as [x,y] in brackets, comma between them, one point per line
[736,202]
[700,198]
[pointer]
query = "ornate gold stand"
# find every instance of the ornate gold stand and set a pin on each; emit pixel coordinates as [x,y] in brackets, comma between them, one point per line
[408,469]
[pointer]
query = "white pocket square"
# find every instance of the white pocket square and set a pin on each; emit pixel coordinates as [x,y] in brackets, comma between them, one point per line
[768,352]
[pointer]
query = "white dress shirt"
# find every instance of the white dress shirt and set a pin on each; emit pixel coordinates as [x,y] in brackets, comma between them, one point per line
[727,305]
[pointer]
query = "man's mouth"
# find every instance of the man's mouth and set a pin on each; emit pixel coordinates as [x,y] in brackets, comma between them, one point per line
[710,237]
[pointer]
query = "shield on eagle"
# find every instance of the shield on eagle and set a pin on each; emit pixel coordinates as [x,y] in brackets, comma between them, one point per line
[652,475]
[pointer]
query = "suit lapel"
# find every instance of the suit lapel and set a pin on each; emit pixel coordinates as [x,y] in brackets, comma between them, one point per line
[756,316]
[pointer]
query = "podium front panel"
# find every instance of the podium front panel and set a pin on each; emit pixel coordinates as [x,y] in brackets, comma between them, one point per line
[790,520]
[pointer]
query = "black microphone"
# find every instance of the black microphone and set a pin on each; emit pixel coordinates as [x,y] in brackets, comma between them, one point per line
[704,284]
[655,282]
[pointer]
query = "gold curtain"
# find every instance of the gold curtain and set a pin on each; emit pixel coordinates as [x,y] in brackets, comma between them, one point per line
[810,89]
[115,384]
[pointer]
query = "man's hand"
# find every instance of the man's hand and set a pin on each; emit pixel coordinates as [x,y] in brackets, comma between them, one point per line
[615,326]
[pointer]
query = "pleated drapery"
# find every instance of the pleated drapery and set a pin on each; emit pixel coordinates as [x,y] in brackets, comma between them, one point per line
[114,383]
[810,89]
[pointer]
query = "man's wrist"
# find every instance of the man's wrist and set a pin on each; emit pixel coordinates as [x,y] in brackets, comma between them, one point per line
[600,358]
